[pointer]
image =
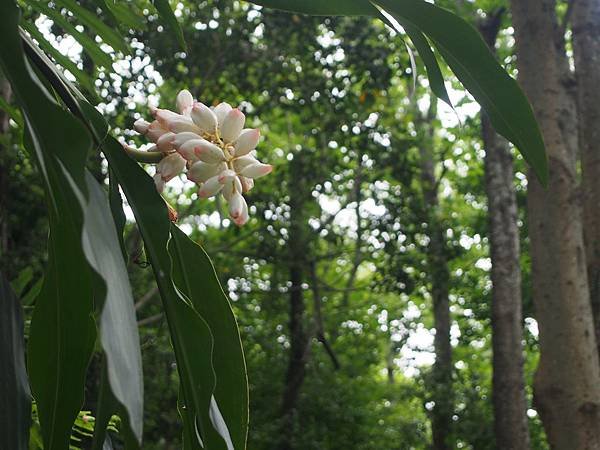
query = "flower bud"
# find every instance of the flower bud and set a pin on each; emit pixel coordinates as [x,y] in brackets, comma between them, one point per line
[256,170]
[240,164]
[184,102]
[182,124]
[183,137]
[155,130]
[247,184]
[242,217]
[204,118]
[141,126]
[237,203]
[221,111]
[200,171]
[247,142]
[165,142]
[233,124]
[210,188]
[207,151]
[230,187]
[170,166]
[226,175]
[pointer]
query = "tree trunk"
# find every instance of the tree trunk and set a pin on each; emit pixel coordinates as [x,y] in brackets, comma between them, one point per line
[299,338]
[437,263]
[567,381]
[510,404]
[586,47]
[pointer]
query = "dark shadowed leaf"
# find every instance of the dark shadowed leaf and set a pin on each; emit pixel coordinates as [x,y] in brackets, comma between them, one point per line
[170,21]
[15,414]
[321,7]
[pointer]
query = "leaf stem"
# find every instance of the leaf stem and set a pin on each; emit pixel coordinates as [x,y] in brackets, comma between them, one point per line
[142,156]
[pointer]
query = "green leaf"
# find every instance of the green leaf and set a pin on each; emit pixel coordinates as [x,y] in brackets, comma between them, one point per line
[321,7]
[15,414]
[62,330]
[124,13]
[23,279]
[195,275]
[476,67]
[62,327]
[61,59]
[118,325]
[170,21]
[88,44]
[91,20]
[190,334]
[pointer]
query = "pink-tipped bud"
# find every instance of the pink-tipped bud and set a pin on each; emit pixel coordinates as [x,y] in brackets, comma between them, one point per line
[247,141]
[226,175]
[240,164]
[165,116]
[247,184]
[237,205]
[182,124]
[182,138]
[204,118]
[208,152]
[230,187]
[141,126]
[221,111]
[200,171]
[155,130]
[242,218]
[165,142]
[170,166]
[256,170]
[210,188]
[184,102]
[233,124]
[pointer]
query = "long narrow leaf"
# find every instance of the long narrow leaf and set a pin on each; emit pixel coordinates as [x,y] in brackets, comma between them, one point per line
[61,59]
[169,19]
[321,7]
[15,414]
[88,44]
[470,59]
[195,275]
[190,334]
[91,20]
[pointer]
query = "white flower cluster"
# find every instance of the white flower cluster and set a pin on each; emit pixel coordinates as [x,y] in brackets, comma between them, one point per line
[212,144]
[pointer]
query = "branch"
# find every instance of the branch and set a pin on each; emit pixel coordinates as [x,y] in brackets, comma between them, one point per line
[319,329]
[150,320]
[144,299]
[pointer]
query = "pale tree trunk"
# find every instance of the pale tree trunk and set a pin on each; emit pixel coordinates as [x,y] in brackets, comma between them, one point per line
[567,381]
[510,404]
[437,266]
[586,46]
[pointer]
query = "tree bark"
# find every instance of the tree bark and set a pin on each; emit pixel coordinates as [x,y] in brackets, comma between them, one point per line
[437,263]
[567,381]
[509,400]
[586,49]
[299,338]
